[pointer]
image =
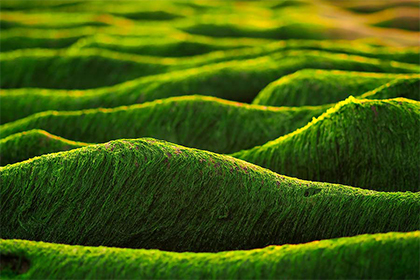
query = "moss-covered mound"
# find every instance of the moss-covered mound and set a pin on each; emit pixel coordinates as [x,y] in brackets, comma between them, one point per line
[365,143]
[378,256]
[73,69]
[194,45]
[315,87]
[195,121]
[28,144]
[171,46]
[233,80]
[90,68]
[161,42]
[153,194]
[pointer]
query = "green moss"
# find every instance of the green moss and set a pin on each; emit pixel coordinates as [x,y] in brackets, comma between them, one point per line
[366,143]
[9,43]
[73,69]
[25,145]
[152,194]
[172,43]
[315,87]
[247,77]
[195,121]
[12,5]
[46,20]
[378,256]
[89,68]
[171,46]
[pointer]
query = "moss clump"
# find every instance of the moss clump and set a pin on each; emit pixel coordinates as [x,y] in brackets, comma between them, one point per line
[171,46]
[73,69]
[28,144]
[247,77]
[153,194]
[364,143]
[90,68]
[195,121]
[378,256]
[315,87]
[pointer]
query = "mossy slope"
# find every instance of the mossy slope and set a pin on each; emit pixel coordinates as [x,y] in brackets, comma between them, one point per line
[171,46]
[195,121]
[25,145]
[364,143]
[153,194]
[378,256]
[315,87]
[90,68]
[233,80]
[161,42]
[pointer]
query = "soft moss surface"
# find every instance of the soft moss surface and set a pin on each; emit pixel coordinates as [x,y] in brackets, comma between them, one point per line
[194,45]
[90,68]
[376,256]
[28,144]
[315,87]
[195,121]
[163,42]
[171,46]
[234,80]
[365,143]
[73,69]
[153,194]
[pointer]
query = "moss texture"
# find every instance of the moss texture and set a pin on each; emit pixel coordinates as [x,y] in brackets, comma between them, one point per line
[195,121]
[194,45]
[365,143]
[378,256]
[171,46]
[152,194]
[229,80]
[315,87]
[163,42]
[89,68]
[28,144]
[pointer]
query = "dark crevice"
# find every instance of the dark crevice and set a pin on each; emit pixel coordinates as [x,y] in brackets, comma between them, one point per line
[15,264]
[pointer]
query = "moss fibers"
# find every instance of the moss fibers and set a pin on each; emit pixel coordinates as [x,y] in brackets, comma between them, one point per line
[153,194]
[163,42]
[233,80]
[377,256]
[365,143]
[194,45]
[195,121]
[90,68]
[73,69]
[28,144]
[315,87]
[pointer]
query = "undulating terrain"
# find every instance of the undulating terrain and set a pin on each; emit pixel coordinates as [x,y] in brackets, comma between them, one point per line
[176,139]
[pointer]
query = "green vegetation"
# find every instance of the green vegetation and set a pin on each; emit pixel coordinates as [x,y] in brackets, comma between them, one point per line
[200,160]
[161,42]
[372,257]
[365,143]
[153,194]
[25,145]
[173,46]
[88,68]
[316,87]
[195,121]
[211,80]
